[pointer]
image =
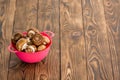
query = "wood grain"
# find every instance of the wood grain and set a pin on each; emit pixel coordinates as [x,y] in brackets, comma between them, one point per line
[99,65]
[73,60]
[7,9]
[86,45]
[25,17]
[113,30]
[48,19]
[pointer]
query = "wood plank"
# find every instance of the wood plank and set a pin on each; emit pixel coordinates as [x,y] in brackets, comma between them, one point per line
[113,30]
[48,19]
[7,10]
[99,65]
[25,17]
[73,57]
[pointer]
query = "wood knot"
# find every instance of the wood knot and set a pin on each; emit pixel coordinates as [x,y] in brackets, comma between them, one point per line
[43,77]
[108,3]
[76,35]
[91,31]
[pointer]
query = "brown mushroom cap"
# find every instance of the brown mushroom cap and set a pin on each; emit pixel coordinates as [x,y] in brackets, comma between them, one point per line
[31,48]
[41,47]
[31,32]
[37,39]
[46,40]
[21,44]
[16,37]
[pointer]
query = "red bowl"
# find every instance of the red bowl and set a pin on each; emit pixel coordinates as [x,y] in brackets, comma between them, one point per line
[36,56]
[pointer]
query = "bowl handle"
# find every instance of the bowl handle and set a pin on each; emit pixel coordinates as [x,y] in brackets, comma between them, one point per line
[51,34]
[11,50]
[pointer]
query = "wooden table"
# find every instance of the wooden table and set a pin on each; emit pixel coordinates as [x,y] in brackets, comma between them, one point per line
[86,45]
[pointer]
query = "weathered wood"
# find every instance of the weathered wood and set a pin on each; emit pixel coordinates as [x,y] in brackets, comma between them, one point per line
[73,60]
[7,10]
[99,65]
[25,17]
[112,17]
[48,19]
[85,47]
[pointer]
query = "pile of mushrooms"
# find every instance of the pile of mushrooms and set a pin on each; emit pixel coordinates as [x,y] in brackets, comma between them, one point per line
[33,41]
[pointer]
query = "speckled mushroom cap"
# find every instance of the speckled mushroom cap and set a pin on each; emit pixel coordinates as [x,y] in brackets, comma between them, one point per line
[37,39]
[21,44]
[46,40]
[16,37]
[31,32]
[41,47]
[31,48]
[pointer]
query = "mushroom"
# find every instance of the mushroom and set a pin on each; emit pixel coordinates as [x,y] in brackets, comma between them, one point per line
[31,48]
[29,42]
[21,44]
[32,32]
[37,39]
[16,37]
[46,40]
[41,47]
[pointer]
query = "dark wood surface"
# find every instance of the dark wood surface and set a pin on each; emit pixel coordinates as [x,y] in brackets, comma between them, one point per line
[86,45]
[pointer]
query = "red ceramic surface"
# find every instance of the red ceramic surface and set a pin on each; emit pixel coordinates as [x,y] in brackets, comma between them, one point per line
[33,57]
